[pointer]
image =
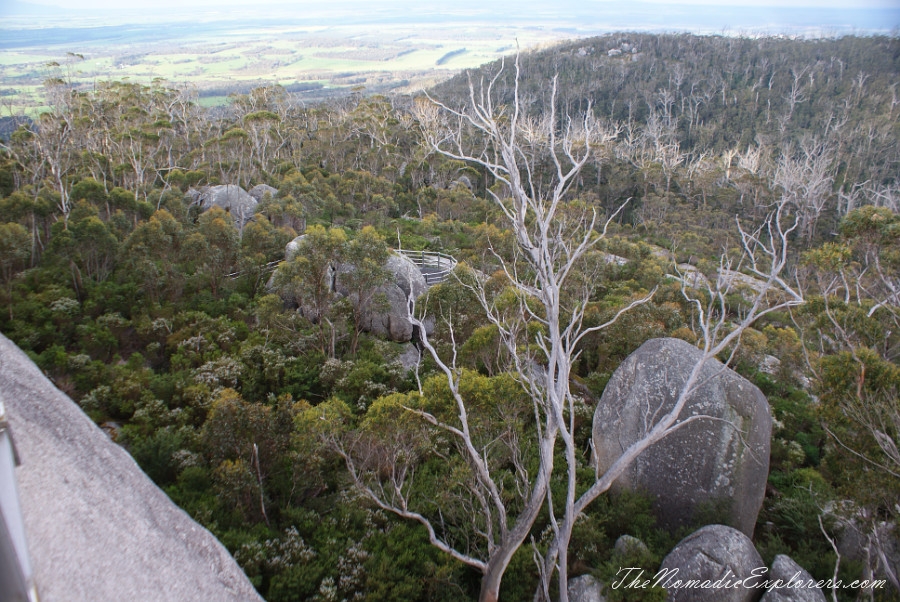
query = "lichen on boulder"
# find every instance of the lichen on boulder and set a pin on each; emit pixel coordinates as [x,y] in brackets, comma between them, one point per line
[717,464]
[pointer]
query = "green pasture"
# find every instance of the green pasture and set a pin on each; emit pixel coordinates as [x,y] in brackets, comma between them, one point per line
[16,59]
[213,101]
[335,56]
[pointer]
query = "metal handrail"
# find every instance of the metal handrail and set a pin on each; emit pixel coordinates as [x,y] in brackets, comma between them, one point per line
[263,269]
[16,573]
[442,263]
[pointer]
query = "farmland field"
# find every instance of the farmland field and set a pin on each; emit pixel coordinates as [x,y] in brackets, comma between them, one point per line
[219,58]
[321,50]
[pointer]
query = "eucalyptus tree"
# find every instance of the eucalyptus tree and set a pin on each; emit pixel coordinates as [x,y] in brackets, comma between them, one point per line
[362,275]
[307,279]
[263,114]
[553,277]
[15,252]
[53,138]
[260,127]
[214,248]
[805,176]
[851,347]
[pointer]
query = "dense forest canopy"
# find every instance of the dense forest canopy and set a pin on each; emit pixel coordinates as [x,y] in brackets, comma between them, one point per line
[248,396]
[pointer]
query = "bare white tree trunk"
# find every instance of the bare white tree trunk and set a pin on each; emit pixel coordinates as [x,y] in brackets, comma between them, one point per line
[553,243]
[765,255]
[805,178]
[554,272]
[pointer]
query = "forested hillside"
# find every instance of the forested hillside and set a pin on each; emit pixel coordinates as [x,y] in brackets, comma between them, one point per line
[676,168]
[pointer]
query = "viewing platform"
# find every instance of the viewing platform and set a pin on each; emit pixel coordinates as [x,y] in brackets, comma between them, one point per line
[435,267]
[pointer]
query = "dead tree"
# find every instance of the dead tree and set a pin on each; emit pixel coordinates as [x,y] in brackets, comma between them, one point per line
[554,272]
[535,162]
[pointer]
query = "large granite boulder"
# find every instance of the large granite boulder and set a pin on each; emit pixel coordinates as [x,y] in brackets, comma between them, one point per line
[97,527]
[259,191]
[798,584]
[715,464]
[717,554]
[747,286]
[406,281]
[293,247]
[233,199]
[409,357]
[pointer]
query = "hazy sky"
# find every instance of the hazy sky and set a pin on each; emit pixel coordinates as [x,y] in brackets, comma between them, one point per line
[362,5]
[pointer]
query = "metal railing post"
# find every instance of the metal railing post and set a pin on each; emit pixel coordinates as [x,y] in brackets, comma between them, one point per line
[442,263]
[16,575]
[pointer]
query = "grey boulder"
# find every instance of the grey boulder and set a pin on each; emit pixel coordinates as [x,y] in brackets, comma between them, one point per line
[233,199]
[97,527]
[720,460]
[798,584]
[405,282]
[585,589]
[293,248]
[713,559]
[628,545]
[409,357]
[259,191]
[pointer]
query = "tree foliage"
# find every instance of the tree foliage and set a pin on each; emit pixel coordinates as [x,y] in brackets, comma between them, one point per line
[268,411]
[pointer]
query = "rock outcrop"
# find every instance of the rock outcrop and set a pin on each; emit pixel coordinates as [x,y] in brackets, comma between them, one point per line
[748,287]
[719,463]
[97,526]
[409,357]
[293,247]
[405,280]
[233,199]
[261,190]
[630,546]
[692,277]
[585,589]
[797,583]
[715,553]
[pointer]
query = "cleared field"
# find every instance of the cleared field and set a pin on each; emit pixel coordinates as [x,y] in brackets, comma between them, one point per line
[13,59]
[219,59]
